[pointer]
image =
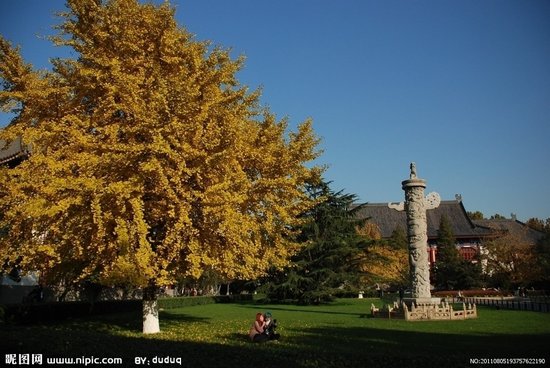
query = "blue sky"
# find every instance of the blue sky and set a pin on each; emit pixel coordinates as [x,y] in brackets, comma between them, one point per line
[460,87]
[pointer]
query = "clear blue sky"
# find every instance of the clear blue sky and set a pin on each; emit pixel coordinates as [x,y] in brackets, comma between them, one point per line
[460,87]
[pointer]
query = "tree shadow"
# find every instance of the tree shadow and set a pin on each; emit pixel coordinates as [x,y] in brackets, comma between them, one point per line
[238,337]
[331,346]
[308,311]
[132,321]
[180,317]
[63,343]
[385,346]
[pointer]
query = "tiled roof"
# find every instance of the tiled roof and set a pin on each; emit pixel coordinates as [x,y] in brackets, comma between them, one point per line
[388,219]
[13,151]
[513,227]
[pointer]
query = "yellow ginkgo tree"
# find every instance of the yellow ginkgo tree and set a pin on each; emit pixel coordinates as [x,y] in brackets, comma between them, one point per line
[384,260]
[149,159]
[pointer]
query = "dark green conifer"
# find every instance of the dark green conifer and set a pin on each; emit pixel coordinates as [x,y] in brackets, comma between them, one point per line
[451,271]
[328,264]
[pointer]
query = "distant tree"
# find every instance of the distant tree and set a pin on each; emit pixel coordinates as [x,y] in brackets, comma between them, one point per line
[510,261]
[398,239]
[542,261]
[448,258]
[329,262]
[477,215]
[496,216]
[369,230]
[451,271]
[385,260]
[538,224]
[446,237]
[542,252]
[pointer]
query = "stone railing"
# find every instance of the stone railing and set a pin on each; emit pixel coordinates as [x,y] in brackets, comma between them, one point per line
[443,311]
[421,312]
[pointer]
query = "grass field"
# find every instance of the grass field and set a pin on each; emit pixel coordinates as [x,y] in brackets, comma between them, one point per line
[336,335]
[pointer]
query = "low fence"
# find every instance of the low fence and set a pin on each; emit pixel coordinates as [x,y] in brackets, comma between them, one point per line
[510,303]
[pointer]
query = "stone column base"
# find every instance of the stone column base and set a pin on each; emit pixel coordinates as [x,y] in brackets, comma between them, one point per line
[424,312]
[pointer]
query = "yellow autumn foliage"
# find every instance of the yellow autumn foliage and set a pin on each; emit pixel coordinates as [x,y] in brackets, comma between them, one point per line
[384,263]
[149,159]
[369,230]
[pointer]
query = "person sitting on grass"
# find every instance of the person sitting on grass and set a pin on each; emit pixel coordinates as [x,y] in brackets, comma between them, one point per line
[270,326]
[257,331]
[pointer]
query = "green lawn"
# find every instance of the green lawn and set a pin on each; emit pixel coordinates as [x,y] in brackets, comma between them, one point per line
[337,335]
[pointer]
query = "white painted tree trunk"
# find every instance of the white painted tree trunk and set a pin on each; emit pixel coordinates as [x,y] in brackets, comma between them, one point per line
[150,317]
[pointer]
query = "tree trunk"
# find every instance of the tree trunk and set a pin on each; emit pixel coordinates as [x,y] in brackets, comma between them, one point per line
[150,311]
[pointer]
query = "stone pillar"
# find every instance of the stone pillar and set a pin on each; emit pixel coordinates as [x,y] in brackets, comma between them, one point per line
[415,206]
[417,234]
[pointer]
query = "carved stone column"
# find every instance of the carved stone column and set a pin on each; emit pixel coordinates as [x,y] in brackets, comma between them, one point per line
[418,239]
[415,207]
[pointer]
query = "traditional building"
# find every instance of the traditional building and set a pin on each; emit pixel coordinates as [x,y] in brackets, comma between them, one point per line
[513,227]
[12,154]
[14,288]
[468,234]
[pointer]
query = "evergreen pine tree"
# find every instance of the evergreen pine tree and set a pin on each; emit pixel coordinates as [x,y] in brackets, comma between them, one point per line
[445,235]
[329,261]
[448,257]
[398,239]
[451,270]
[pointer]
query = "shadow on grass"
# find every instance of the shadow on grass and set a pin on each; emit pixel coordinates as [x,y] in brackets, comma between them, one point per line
[309,347]
[66,343]
[368,341]
[180,317]
[309,310]
[131,321]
